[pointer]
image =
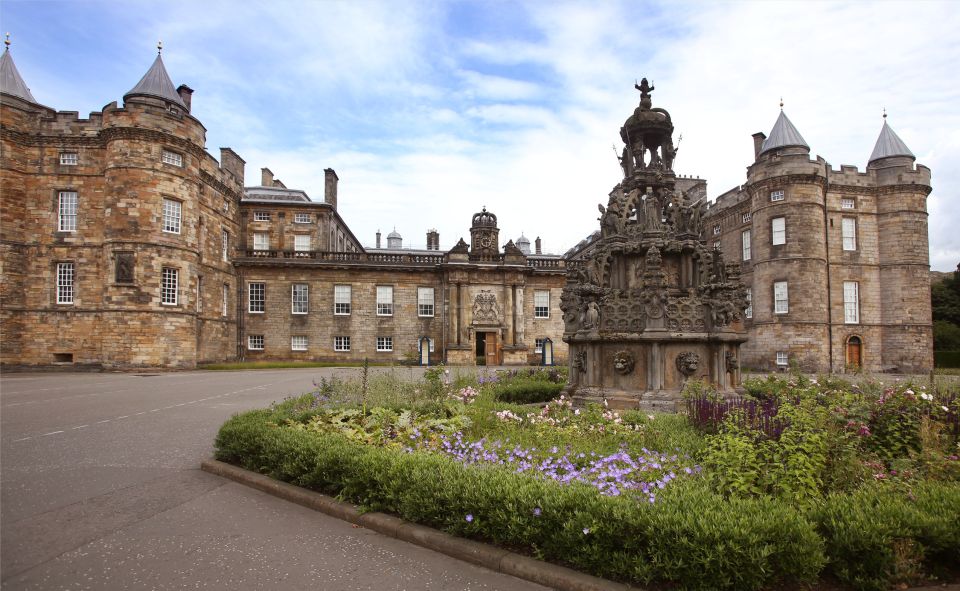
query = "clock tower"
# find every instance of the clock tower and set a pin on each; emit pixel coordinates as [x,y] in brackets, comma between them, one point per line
[484,236]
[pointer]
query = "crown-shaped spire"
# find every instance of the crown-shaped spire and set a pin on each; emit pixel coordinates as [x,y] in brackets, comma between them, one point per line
[783,135]
[10,80]
[889,144]
[156,83]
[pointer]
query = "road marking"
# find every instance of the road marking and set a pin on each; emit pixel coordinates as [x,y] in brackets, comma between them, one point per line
[123,417]
[103,421]
[181,404]
[81,426]
[155,410]
[51,433]
[140,413]
[22,439]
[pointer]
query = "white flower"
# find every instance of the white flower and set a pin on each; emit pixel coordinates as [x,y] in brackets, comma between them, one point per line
[926,396]
[651,417]
[945,409]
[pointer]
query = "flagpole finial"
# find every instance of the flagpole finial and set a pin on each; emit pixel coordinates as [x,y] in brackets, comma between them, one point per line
[159,47]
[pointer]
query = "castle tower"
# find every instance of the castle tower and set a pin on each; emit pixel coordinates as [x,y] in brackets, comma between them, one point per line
[789,276]
[901,201]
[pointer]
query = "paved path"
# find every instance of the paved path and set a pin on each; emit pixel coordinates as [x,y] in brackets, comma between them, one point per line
[101,489]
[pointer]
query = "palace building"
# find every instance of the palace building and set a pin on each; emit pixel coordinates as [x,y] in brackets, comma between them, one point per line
[124,243]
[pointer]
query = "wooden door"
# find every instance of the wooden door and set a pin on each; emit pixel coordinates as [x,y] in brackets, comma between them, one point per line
[492,349]
[854,352]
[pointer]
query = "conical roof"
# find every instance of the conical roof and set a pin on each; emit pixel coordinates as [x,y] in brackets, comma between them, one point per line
[889,144]
[156,83]
[10,80]
[783,135]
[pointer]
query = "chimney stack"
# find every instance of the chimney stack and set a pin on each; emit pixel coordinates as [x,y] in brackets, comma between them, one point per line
[330,180]
[433,240]
[537,243]
[266,177]
[185,93]
[378,238]
[758,143]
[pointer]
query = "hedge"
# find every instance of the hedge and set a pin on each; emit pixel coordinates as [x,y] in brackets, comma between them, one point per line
[527,391]
[946,358]
[690,536]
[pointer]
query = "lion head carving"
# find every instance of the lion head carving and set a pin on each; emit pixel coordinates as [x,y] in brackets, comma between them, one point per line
[687,363]
[623,362]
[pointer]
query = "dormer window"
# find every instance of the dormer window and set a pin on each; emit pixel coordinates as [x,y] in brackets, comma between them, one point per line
[68,159]
[173,158]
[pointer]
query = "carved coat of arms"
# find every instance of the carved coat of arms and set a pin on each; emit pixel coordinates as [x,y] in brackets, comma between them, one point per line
[485,308]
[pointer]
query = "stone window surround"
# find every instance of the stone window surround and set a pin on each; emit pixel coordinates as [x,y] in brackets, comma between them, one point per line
[256,297]
[384,303]
[255,342]
[541,303]
[384,344]
[425,305]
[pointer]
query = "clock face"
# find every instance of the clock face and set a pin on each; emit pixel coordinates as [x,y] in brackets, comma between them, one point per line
[485,242]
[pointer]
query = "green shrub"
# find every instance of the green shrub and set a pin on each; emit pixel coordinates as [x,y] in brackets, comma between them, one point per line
[881,536]
[691,536]
[527,390]
[946,358]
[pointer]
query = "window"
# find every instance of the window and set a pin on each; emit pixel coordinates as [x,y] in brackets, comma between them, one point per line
[780,302]
[847,203]
[64,283]
[68,158]
[746,217]
[298,343]
[716,230]
[384,300]
[255,342]
[199,294]
[541,303]
[261,241]
[67,216]
[301,242]
[300,298]
[782,359]
[424,301]
[171,216]
[226,300]
[384,343]
[173,158]
[778,231]
[538,345]
[341,343]
[851,302]
[848,227]
[301,218]
[745,239]
[261,216]
[225,245]
[716,245]
[341,300]
[256,297]
[776,195]
[169,280]
[748,312]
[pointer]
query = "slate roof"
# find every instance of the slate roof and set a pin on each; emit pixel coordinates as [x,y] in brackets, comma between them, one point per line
[10,80]
[889,144]
[156,83]
[783,135]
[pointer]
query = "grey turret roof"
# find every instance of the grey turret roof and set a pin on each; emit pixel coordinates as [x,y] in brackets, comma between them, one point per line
[394,234]
[10,80]
[783,135]
[889,144]
[156,83]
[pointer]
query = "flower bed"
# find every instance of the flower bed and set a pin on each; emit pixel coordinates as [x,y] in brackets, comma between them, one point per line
[635,497]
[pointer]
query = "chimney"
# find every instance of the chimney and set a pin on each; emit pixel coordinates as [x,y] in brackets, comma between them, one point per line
[330,180]
[758,143]
[185,93]
[433,240]
[378,238]
[232,163]
[266,177]
[537,243]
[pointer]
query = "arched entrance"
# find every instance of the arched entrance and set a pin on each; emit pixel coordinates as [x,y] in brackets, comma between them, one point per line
[854,352]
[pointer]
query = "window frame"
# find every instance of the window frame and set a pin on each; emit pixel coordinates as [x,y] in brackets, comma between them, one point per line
[172,215]
[258,288]
[746,217]
[300,305]
[746,249]
[300,217]
[66,282]
[298,238]
[342,308]
[384,308]
[748,311]
[716,230]
[778,195]
[341,343]
[851,305]
[784,356]
[848,241]
[251,338]
[848,203]
[67,216]
[539,311]
[225,304]
[171,157]
[257,236]
[261,216]
[225,245]
[297,339]
[385,344]
[538,345]
[777,309]
[165,287]
[782,233]
[65,159]
[422,306]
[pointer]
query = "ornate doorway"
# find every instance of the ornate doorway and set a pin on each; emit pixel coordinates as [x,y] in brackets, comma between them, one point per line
[854,352]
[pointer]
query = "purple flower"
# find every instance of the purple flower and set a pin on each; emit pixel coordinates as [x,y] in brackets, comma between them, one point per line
[536,511]
[469,518]
[586,530]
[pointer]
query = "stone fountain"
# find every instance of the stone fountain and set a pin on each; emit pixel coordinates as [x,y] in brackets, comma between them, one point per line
[647,305]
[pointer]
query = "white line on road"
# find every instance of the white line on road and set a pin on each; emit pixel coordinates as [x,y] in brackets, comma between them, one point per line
[80,426]
[22,439]
[51,433]
[103,421]
[123,417]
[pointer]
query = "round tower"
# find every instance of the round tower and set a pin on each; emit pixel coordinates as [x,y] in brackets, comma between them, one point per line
[904,260]
[153,229]
[484,236]
[789,255]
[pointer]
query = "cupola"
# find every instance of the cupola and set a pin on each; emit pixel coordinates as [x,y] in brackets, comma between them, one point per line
[394,239]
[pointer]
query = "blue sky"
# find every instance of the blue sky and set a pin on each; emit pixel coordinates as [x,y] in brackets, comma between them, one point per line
[430,110]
